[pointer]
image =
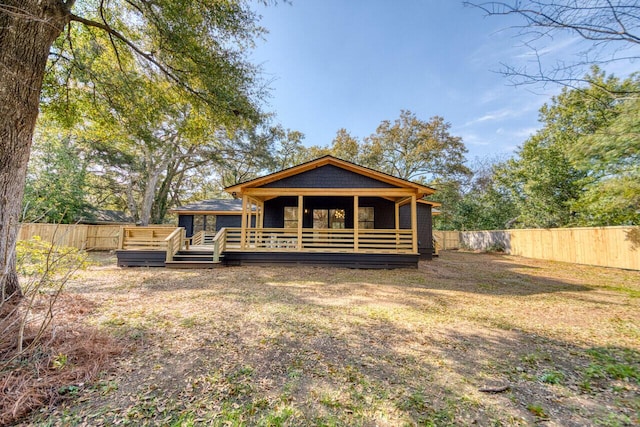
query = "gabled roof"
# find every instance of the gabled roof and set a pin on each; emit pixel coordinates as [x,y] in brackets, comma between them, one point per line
[329,160]
[212,206]
[106,216]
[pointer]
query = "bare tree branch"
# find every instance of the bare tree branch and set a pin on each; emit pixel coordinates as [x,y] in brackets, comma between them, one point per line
[612,27]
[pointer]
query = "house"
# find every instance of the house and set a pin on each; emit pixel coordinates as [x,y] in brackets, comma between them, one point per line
[324,212]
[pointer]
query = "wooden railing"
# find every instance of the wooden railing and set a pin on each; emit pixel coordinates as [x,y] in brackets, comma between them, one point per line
[166,239]
[174,242]
[203,238]
[196,239]
[219,244]
[325,240]
[149,238]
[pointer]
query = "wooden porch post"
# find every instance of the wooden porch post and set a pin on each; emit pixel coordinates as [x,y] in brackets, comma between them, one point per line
[243,224]
[300,219]
[414,223]
[261,207]
[356,223]
[397,206]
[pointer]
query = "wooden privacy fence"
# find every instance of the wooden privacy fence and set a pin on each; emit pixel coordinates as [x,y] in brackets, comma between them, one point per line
[447,239]
[604,246]
[81,236]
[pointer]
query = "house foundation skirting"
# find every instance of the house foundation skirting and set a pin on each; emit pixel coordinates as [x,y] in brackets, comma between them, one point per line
[141,258]
[346,260]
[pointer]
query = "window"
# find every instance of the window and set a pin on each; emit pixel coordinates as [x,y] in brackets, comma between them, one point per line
[336,218]
[328,218]
[204,223]
[291,217]
[320,218]
[366,218]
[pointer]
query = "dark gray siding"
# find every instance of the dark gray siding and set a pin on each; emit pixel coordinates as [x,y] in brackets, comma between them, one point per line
[384,211]
[274,211]
[141,258]
[186,221]
[228,221]
[344,260]
[425,232]
[328,176]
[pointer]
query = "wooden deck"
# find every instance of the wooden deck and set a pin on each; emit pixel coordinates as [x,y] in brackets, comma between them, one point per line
[162,246]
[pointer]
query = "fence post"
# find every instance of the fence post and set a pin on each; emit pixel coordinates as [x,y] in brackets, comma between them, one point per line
[121,238]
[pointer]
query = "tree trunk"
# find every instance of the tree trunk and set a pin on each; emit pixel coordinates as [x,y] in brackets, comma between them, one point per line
[159,207]
[28,28]
[153,176]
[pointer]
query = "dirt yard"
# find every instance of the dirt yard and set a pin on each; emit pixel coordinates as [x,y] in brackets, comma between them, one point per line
[465,339]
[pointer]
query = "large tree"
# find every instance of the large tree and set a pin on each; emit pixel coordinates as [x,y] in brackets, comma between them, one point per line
[581,168]
[414,149]
[247,153]
[196,45]
[478,202]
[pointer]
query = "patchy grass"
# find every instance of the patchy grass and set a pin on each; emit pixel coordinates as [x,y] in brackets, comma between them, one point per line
[331,347]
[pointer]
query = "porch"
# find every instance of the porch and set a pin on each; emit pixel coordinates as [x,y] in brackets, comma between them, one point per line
[365,248]
[326,211]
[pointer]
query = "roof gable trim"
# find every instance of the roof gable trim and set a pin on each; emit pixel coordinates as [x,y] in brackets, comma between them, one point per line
[326,160]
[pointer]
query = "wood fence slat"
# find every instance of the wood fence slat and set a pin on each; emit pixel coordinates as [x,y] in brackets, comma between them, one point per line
[80,236]
[603,246]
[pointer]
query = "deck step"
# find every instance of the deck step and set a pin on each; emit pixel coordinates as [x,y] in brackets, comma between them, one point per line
[177,257]
[193,264]
[207,253]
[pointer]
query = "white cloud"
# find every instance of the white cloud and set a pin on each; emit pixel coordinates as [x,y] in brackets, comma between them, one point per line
[491,116]
[551,47]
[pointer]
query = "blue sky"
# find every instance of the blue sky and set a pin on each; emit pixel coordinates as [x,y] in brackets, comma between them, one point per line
[351,64]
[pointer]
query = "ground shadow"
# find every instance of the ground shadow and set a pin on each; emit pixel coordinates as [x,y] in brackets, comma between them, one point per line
[248,347]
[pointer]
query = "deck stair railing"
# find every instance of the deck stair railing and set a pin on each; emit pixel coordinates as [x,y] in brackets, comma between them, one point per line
[203,238]
[196,239]
[174,242]
[219,244]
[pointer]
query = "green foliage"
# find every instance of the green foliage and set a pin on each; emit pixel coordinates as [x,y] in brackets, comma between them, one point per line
[346,147]
[199,46]
[60,361]
[542,183]
[537,410]
[617,364]
[582,168]
[256,150]
[412,149]
[611,156]
[36,257]
[145,112]
[56,180]
[478,202]
[551,377]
